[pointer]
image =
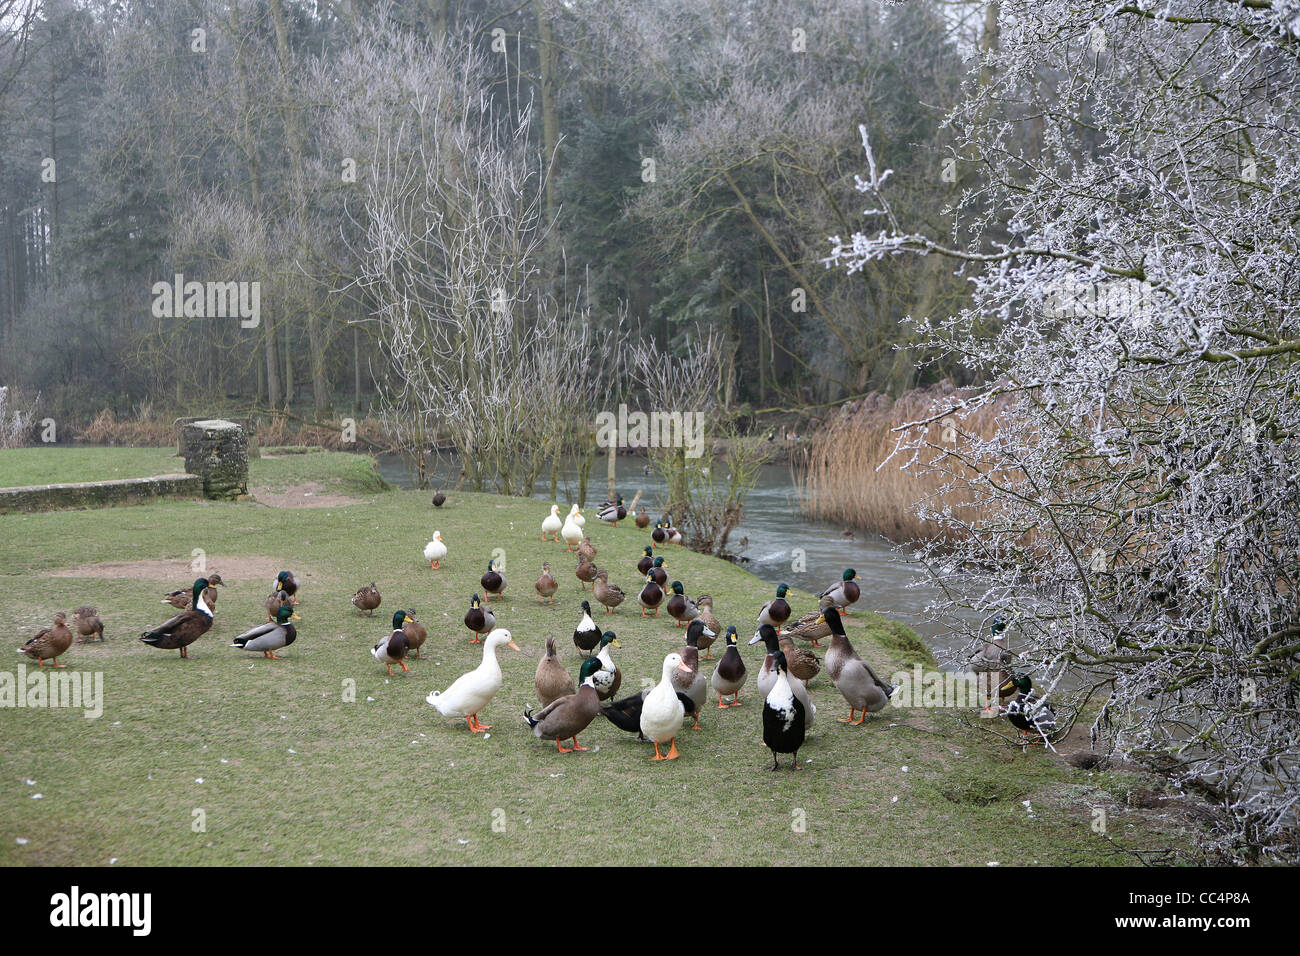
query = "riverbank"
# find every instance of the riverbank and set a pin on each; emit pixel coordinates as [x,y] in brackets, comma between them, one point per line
[288,761]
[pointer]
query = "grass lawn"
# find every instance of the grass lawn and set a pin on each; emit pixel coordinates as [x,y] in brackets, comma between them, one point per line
[286,769]
[53,465]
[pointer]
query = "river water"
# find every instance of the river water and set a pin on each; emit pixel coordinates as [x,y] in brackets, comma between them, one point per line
[771,529]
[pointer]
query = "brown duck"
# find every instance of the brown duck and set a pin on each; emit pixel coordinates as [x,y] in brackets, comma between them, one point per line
[415,633]
[50,643]
[183,599]
[185,628]
[546,585]
[586,571]
[85,620]
[552,681]
[367,599]
[276,601]
[566,717]
[610,595]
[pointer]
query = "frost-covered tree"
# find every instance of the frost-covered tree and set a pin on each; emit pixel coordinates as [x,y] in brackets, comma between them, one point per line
[1132,228]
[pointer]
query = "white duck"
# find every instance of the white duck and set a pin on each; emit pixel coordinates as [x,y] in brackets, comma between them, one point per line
[435,550]
[576,514]
[661,712]
[551,524]
[571,531]
[471,692]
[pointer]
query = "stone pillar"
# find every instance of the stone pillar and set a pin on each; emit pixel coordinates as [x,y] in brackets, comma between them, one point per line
[217,451]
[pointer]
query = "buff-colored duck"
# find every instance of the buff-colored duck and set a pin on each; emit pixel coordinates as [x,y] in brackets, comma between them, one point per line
[49,643]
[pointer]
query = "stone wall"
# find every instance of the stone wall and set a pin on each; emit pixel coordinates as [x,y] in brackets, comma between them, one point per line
[247,424]
[217,451]
[97,494]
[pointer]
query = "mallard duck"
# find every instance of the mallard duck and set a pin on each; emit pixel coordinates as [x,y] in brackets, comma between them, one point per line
[587,550]
[435,551]
[811,627]
[613,513]
[568,716]
[659,536]
[646,563]
[680,607]
[842,593]
[784,716]
[415,633]
[992,658]
[270,637]
[552,681]
[473,691]
[642,519]
[712,625]
[650,597]
[767,676]
[571,531]
[546,585]
[586,635]
[438,498]
[852,677]
[662,712]
[776,611]
[367,599]
[803,665]
[729,675]
[275,601]
[610,678]
[49,643]
[585,572]
[182,597]
[1026,711]
[625,714]
[493,582]
[479,619]
[659,572]
[552,524]
[690,681]
[610,595]
[284,581]
[392,649]
[185,628]
[85,621]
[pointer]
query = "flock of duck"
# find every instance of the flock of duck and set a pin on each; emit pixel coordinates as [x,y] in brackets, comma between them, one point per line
[566,709]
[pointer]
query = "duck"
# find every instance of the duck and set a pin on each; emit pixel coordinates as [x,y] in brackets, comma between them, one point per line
[85,621]
[473,691]
[552,524]
[642,519]
[179,632]
[270,637]
[646,563]
[50,642]
[625,714]
[659,536]
[851,675]
[546,585]
[182,598]
[659,572]
[842,593]
[552,681]
[712,625]
[650,597]
[479,619]
[586,635]
[729,675]
[1026,711]
[767,634]
[435,551]
[803,665]
[690,681]
[811,627]
[415,633]
[576,514]
[610,678]
[784,716]
[571,531]
[587,550]
[661,711]
[493,582]
[585,572]
[367,599]
[566,717]
[439,498]
[613,513]
[284,581]
[610,595]
[776,611]
[674,536]
[274,601]
[993,657]
[680,607]
[392,649]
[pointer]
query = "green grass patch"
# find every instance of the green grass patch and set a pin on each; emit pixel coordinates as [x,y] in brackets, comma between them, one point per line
[339,473]
[46,465]
[323,759]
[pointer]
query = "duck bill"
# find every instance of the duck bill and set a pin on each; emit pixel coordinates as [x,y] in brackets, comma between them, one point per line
[756,639]
[512,644]
[683,668]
